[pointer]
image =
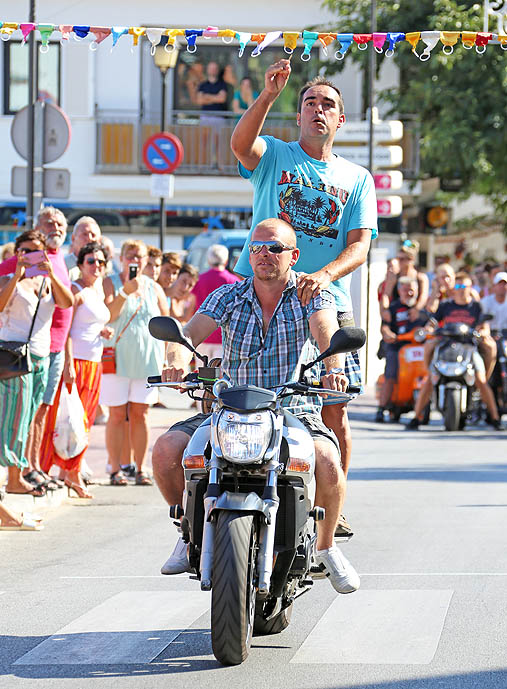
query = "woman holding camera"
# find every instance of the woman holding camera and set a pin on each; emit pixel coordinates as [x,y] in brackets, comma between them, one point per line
[27,297]
[133,299]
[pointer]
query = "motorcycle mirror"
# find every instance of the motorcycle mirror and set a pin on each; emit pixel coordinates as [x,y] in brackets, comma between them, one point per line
[169,329]
[420,335]
[343,340]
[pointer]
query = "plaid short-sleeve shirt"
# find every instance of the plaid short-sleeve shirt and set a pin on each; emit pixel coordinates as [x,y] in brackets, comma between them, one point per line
[252,358]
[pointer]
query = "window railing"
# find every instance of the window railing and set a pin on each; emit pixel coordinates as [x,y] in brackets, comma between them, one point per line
[206,140]
[205,137]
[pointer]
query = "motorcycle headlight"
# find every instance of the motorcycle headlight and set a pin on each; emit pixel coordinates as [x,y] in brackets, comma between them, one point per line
[448,368]
[244,438]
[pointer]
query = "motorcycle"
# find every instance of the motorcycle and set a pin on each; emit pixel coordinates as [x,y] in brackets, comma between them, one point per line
[411,375]
[498,380]
[453,374]
[248,513]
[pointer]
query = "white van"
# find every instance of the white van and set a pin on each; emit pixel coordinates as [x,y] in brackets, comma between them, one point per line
[234,240]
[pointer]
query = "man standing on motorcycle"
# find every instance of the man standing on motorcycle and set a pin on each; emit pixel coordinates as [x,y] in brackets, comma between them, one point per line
[461,309]
[396,321]
[328,200]
[266,333]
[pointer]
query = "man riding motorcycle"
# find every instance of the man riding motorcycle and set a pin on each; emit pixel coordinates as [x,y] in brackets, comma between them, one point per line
[266,337]
[396,321]
[460,309]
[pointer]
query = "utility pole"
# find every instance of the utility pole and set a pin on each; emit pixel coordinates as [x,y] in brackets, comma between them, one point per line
[32,99]
[371,102]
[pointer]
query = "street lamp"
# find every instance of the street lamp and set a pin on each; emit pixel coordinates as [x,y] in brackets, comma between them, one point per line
[164,60]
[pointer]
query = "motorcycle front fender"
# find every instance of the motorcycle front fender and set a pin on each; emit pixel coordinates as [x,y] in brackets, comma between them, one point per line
[240,502]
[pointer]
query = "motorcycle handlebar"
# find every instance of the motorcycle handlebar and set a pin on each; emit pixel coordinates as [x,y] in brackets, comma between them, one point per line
[156,382]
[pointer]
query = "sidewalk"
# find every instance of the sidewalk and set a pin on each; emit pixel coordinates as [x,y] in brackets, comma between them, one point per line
[159,420]
[177,408]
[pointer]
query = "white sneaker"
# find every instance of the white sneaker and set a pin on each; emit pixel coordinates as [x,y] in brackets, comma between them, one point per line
[178,560]
[337,568]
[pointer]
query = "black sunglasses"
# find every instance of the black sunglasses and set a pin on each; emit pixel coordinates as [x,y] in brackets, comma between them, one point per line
[273,247]
[92,261]
[27,251]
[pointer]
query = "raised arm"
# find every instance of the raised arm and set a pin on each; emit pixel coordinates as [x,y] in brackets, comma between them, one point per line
[245,142]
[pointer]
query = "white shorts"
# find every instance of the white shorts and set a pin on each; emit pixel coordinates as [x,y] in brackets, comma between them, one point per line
[117,390]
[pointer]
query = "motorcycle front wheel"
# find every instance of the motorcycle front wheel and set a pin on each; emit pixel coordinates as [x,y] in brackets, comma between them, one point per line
[452,410]
[233,590]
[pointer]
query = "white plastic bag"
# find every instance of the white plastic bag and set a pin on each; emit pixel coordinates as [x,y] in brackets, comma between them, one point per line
[70,436]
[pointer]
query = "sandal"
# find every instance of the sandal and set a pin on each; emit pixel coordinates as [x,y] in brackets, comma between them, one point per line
[80,490]
[143,479]
[45,481]
[37,491]
[118,479]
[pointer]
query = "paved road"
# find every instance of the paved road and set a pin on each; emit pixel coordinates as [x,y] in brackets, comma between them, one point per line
[82,603]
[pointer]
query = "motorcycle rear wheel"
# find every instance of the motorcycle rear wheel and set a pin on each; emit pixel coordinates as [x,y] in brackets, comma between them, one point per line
[233,590]
[452,410]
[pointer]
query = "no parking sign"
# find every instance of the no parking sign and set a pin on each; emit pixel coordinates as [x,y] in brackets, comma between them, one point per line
[162,153]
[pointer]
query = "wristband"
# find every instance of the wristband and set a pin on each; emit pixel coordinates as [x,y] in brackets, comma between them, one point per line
[335,371]
[122,293]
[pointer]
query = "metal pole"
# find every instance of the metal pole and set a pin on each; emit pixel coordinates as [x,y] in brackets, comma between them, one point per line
[32,98]
[371,101]
[162,128]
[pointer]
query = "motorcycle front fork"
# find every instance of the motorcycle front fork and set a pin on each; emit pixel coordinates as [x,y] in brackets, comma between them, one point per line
[266,532]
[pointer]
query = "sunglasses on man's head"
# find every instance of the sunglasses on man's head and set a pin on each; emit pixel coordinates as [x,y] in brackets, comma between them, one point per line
[273,247]
[92,261]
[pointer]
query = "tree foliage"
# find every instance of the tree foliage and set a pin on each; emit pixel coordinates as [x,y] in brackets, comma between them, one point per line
[461,99]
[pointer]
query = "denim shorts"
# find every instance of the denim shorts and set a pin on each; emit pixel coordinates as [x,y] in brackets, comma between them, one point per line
[352,366]
[56,362]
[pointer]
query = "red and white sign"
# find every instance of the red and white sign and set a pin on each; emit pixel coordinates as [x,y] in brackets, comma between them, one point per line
[389,206]
[162,153]
[385,181]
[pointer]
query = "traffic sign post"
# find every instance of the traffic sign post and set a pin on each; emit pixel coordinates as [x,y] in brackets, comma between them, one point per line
[162,154]
[55,182]
[50,140]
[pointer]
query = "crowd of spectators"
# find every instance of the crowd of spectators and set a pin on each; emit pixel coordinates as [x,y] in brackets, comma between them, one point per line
[79,301]
[408,297]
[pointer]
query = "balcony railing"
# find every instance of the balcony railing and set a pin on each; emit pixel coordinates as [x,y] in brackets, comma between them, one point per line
[206,141]
[205,138]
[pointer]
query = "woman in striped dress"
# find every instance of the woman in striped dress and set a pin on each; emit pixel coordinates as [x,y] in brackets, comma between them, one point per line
[20,397]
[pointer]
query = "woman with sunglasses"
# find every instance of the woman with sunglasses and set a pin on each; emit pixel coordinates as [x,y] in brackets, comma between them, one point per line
[33,290]
[84,353]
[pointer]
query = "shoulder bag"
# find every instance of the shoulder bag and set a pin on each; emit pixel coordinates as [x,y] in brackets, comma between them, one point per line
[108,353]
[15,357]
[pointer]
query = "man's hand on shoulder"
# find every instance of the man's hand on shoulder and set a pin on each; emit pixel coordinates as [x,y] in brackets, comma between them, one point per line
[311,284]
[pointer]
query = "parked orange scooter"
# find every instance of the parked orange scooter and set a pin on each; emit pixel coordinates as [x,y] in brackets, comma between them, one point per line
[411,375]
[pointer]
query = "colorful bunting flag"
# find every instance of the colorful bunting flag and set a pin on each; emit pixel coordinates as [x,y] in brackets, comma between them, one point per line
[448,39]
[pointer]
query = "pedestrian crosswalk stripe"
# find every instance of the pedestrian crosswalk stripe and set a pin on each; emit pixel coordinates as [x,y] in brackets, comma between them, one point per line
[130,627]
[378,627]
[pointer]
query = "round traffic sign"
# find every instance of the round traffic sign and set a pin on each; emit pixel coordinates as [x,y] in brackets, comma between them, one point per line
[162,153]
[56,132]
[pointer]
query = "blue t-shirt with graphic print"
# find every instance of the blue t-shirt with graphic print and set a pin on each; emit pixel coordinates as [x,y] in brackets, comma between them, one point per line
[323,201]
